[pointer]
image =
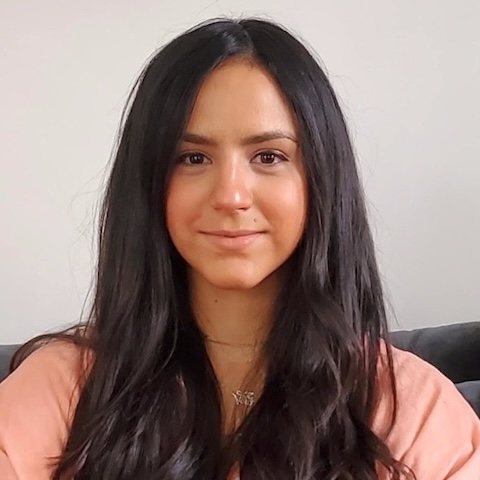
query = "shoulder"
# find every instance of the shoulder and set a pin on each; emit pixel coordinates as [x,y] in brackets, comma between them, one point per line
[56,367]
[37,404]
[436,432]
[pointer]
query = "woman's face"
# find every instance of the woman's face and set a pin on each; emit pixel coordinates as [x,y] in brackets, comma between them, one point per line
[237,199]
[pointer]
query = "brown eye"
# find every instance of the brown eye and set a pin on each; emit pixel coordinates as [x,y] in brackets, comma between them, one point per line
[193,159]
[269,158]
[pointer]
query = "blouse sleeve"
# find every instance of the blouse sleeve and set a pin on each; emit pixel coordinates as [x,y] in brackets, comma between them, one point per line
[37,402]
[436,433]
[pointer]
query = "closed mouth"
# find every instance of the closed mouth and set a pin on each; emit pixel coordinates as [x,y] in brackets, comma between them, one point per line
[232,234]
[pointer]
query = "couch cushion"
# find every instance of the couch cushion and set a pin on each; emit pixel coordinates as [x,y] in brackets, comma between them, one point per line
[6,352]
[471,391]
[453,349]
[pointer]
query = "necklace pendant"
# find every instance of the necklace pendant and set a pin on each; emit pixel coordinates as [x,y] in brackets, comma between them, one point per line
[244,398]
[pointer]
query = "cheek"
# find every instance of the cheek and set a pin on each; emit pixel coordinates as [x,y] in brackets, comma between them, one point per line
[185,194]
[176,209]
[291,208]
[184,206]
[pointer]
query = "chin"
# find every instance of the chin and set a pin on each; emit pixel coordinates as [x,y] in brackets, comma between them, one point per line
[236,276]
[238,279]
[234,282]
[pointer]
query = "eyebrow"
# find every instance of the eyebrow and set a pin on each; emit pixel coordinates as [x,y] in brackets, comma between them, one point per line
[250,140]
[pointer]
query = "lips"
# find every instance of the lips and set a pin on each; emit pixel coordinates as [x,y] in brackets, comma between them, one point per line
[231,233]
[232,239]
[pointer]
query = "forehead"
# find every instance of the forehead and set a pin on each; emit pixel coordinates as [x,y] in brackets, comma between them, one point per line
[240,97]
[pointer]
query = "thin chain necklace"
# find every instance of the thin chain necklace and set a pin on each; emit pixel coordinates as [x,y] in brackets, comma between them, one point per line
[234,345]
[241,397]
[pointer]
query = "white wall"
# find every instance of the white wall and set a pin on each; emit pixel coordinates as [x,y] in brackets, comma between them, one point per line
[408,72]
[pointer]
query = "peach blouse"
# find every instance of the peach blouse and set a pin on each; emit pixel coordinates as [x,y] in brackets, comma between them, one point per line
[437,433]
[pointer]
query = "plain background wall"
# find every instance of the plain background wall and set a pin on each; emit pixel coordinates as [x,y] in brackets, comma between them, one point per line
[407,72]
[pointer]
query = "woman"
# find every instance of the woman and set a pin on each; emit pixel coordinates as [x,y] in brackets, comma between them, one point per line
[238,324]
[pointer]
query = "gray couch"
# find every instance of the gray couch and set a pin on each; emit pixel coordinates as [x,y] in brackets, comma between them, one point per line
[6,352]
[453,349]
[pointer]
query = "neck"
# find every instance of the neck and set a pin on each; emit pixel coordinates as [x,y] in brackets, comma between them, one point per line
[233,318]
[236,324]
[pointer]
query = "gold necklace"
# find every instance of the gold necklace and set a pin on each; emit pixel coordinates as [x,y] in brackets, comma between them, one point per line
[241,397]
[246,398]
[234,345]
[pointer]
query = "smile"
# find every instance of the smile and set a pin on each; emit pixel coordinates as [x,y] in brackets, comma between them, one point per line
[232,240]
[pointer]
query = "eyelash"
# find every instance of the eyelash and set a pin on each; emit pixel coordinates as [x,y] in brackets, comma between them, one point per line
[183,158]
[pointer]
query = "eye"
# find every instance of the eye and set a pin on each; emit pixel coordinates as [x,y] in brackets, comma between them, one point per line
[193,158]
[269,158]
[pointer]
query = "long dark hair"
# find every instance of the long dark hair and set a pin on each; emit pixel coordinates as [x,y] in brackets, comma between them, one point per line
[150,405]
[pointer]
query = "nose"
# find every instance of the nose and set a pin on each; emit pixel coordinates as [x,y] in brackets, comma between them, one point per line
[232,186]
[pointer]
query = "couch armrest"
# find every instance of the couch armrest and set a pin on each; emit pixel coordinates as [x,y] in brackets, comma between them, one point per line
[453,349]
